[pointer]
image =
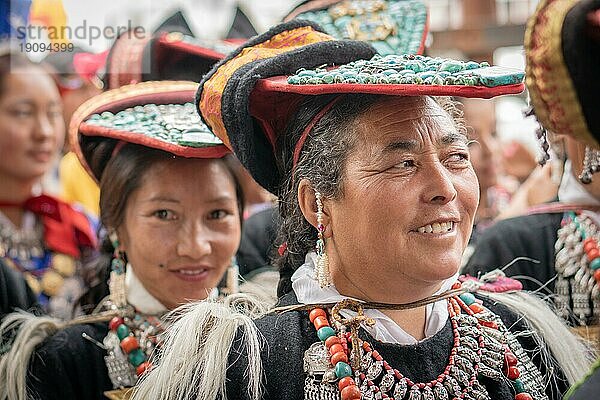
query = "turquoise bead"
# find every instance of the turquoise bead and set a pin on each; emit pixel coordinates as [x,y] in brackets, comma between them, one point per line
[518,385]
[342,370]
[468,298]
[325,332]
[595,264]
[451,66]
[136,357]
[122,331]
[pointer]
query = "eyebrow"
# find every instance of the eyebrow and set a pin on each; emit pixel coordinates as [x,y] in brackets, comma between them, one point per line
[408,145]
[452,138]
[163,199]
[170,200]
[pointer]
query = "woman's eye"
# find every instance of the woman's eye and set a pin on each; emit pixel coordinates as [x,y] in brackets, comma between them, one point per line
[407,163]
[55,114]
[458,157]
[22,113]
[165,215]
[218,214]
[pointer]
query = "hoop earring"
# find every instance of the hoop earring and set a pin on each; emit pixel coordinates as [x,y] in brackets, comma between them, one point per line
[322,261]
[116,284]
[591,165]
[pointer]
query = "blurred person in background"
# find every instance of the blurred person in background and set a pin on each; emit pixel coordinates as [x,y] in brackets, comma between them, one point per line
[42,237]
[562,238]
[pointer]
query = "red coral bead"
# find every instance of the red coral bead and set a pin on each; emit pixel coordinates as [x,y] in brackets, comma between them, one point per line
[336,348]
[339,356]
[523,396]
[129,344]
[510,359]
[331,340]
[351,393]
[513,373]
[317,312]
[489,324]
[115,322]
[593,254]
[597,275]
[320,322]
[589,243]
[143,367]
[346,381]
[476,307]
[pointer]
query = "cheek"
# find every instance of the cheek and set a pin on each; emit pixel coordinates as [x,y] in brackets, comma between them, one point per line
[467,187]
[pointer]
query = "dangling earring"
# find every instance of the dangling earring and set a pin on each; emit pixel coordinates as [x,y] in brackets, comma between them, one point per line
[542,136]
[232,281]
[116,284]
[591,165]
[322,261]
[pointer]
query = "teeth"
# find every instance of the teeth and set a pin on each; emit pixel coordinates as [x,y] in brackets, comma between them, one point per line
[437,227]
[191,272]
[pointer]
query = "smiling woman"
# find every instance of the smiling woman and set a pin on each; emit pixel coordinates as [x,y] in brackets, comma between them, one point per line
[377,197]
[172,207]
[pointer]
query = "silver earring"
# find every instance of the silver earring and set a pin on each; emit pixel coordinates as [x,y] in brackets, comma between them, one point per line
[322,261]
[116,284]
[591,165]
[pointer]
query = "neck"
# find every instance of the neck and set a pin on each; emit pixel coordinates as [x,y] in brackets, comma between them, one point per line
[14,191]
[412,321]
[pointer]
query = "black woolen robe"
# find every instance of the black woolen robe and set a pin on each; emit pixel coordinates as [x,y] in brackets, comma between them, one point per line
[530,236]
[15,293]
[288,335]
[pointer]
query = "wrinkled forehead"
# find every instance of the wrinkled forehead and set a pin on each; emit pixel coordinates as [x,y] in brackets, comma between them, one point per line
[412,118]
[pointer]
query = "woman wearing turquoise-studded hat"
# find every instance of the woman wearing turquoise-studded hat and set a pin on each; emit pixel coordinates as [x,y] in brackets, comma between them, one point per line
[171,205]
[377,195]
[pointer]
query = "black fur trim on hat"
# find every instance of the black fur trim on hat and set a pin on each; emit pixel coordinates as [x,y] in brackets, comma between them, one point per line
[247,138]
[582,58]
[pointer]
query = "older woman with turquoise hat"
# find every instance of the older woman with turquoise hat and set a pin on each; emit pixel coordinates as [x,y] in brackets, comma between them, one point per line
[376,196]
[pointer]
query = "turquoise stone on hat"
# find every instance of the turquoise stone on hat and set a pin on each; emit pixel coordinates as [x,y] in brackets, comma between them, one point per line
[342,370]
[595,264]
[177,124]
[411,69]
[325,332]
[468,298]
[390,26]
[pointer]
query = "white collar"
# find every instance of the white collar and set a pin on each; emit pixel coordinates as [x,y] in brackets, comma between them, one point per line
[308,291]
[139,297]
[573,191]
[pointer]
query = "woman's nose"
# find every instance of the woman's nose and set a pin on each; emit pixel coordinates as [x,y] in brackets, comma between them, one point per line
[194,242]
[440,186]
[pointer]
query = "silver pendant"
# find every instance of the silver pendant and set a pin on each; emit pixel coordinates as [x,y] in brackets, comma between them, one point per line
[316,359]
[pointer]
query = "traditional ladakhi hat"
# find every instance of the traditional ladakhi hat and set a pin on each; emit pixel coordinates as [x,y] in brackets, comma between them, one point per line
[159,115]
[390,26]
[562,48]
[171,53]
[248,98]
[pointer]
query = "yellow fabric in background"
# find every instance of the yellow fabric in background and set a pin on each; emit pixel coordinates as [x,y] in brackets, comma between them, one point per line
[77,186]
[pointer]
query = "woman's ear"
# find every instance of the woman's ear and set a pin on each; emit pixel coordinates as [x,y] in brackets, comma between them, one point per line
[308,205]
